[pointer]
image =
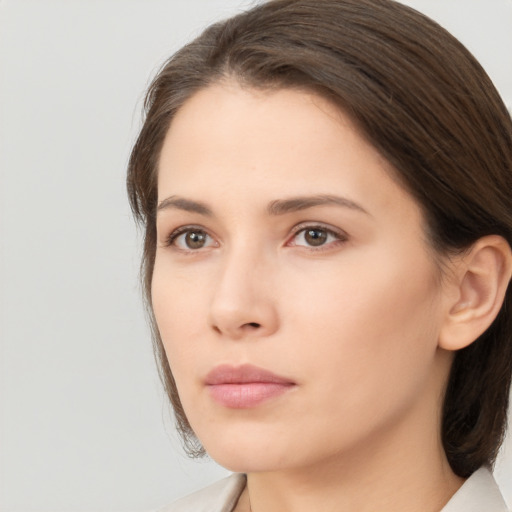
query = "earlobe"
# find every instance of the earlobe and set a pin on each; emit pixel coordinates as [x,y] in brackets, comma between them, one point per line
[481,277]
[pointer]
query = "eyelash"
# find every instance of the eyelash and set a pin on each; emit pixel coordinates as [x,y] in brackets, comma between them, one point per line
[341,236]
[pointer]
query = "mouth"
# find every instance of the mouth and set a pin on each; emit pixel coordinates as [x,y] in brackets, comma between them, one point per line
[246,386]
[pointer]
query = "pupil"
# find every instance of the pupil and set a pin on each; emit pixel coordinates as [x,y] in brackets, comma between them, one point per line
[195,239]
[315,237]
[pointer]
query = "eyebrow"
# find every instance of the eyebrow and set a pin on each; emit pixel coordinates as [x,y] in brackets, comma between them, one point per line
[180,203]
[277,207]
[294,204]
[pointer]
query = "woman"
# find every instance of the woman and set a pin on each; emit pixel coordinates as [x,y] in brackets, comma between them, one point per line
[324,186]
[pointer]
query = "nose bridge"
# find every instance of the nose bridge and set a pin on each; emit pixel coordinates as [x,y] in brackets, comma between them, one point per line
[242,302]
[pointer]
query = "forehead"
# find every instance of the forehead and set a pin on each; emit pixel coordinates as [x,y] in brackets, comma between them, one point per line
[228,116]
[255,143]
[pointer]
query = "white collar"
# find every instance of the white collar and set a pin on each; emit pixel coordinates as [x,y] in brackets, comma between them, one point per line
[479,493]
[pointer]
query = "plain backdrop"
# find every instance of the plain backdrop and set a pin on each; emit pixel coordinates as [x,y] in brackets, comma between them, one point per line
[84,425]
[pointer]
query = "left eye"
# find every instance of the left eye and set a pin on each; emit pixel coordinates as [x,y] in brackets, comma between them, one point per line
[192,239]
[315,237]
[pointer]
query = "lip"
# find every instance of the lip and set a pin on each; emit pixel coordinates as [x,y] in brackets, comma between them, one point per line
[245,386]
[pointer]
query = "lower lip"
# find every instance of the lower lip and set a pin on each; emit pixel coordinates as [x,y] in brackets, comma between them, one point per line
[246,395]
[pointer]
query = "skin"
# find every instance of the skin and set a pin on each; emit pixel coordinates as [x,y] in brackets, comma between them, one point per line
[354,323]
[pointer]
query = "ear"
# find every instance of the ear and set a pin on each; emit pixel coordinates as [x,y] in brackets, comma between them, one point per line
[476,291]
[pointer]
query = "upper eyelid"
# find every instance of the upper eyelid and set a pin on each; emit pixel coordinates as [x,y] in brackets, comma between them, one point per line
[319,225]
[189,227]
[295,229]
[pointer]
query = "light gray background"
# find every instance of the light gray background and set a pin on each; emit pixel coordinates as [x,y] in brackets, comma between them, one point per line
[84,426]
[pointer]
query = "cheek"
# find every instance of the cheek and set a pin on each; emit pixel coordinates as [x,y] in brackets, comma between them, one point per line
[371,328]
[180,311]
[364,292]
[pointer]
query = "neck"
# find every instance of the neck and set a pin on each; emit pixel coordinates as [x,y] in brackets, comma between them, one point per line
[365,484]
[343,489]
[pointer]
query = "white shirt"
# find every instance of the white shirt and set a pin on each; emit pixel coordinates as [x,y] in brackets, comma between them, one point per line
[479,493]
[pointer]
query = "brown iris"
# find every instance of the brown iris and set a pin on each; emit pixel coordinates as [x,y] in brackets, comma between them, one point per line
[315,237]
[195,239]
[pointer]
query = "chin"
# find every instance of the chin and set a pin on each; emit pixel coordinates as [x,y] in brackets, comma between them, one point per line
[245,453]
[248,462]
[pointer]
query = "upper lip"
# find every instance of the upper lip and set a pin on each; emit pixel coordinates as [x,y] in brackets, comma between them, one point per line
[244,374]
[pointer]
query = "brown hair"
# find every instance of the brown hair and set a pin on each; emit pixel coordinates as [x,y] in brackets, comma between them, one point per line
[423,101]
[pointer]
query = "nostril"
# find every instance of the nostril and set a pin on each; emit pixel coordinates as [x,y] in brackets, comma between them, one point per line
[253,324]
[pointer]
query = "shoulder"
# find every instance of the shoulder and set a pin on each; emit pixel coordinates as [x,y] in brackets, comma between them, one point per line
[218,497]
[480,493]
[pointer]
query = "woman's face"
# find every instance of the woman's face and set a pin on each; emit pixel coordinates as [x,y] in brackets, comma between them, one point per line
[296,296]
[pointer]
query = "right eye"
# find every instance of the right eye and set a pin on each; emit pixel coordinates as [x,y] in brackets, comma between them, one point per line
[191,239]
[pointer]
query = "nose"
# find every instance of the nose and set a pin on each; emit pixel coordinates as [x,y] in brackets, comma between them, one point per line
[243,304]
